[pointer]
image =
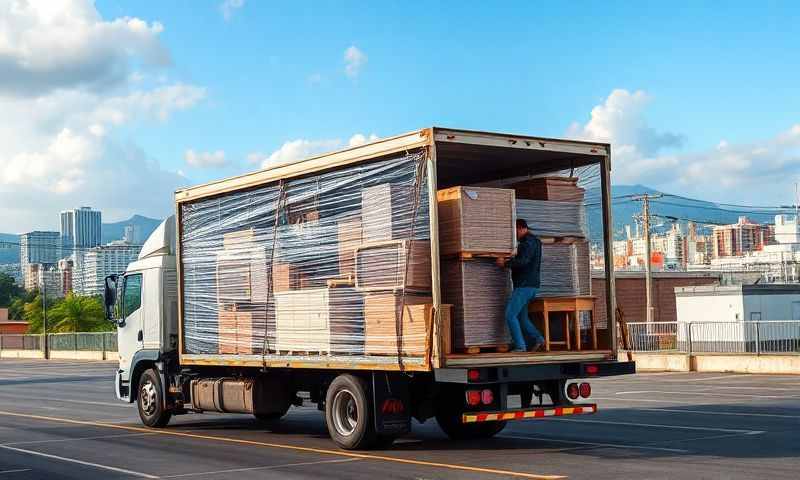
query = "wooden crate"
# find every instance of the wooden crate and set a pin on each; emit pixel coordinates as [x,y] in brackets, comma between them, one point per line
[476,220]
[383,326]
[559,189]
[478,290]
[386,212]
[325,320]
[349,236]
[286,277]
[382,265]
[235,332]
[242,275]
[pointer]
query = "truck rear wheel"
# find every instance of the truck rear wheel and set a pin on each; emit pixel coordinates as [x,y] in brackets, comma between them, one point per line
[150,400]
[348,413]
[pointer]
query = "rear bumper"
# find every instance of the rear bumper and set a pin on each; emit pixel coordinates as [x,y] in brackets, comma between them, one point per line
[532,373]
[529,413]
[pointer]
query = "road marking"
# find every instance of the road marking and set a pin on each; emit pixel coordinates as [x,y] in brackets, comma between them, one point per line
[712,437]
[266,467]
[716,412]
[708,394]
[596,444]
[19,470]
[364,456]
[77,439]
[86,402]
[657,425]
[79,462]
[703,379]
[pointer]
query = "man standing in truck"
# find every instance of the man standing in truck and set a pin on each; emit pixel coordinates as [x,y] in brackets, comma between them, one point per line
[525,273]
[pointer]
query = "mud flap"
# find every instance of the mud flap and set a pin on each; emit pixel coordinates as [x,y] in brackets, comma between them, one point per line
[391,404]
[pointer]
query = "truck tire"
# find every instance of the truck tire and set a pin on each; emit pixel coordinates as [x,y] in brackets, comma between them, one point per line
[270,418]
[150,400]
[348,413]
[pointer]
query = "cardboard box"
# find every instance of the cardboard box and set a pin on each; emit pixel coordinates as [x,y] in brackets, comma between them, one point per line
[386,212]
[559,189]
[383,326]
[286,277]
[382,265]
[478,290]
[476,220]
[242,275]
[327,320]
[566,270]
[349,236]
[235,332]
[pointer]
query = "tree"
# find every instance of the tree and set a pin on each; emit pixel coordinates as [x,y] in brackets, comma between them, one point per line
[9,290]
[78,314]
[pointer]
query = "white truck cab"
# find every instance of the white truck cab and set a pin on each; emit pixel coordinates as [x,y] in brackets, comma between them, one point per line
[145,309]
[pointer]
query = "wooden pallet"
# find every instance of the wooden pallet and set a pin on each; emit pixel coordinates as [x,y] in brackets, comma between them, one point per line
[472,255]
[343,281]
[314,353]
[485,349]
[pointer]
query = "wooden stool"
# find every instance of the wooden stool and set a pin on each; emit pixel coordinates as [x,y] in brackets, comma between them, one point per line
[572,306]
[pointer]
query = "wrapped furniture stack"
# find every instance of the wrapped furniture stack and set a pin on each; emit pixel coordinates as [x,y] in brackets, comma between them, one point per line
[476,225]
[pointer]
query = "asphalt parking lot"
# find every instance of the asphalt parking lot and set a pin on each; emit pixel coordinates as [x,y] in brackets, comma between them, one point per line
[61,420]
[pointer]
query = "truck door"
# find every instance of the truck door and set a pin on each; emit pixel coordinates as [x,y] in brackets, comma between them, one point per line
[130,333]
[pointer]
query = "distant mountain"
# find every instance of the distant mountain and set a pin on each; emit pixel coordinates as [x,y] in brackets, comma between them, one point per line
[681,208]
[142,228]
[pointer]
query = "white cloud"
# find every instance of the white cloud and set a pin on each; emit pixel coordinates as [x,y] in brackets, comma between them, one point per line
[360,139]
[228,7]
[299,149]
[204,159]
[757,172]
[68,87]
[65,44]
[354,60]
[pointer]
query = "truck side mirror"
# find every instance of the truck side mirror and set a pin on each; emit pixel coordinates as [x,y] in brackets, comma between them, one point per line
[110,296]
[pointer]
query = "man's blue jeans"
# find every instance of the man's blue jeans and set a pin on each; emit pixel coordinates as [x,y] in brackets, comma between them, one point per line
[517,317]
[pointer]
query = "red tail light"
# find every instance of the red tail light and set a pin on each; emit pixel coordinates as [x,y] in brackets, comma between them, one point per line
[592,369]
[474,375]
[573,391]
[392,405]
[487,397]
[585,390]
[473,397]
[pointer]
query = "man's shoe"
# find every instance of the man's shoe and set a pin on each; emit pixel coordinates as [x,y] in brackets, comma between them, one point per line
[536,347]
[518,350]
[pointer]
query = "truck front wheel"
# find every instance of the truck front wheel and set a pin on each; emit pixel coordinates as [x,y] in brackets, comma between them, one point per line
[150,400]
[348,413]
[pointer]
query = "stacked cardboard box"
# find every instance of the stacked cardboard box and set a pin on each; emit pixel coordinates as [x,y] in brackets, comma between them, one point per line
[558,189]
[553,219]
[389,317]
[565,270]
[387,212]
[235,332]
[476,220]
[349,239]
[327,320]
[478,290]
[394,265]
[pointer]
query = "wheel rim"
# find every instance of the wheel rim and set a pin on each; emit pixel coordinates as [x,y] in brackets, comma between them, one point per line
[148,398]
[345,412]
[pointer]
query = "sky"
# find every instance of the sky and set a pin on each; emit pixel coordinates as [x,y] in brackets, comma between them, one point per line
[115,104]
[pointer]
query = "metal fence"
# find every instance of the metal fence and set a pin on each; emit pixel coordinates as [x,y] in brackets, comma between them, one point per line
[89,341]
[759,337]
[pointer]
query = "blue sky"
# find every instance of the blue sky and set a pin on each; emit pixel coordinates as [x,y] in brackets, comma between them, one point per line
[684,92]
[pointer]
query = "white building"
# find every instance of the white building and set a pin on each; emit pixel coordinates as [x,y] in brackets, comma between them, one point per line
[723,315]
[80,229]
[93,266]
[37,247]
[46,277]
[787,230]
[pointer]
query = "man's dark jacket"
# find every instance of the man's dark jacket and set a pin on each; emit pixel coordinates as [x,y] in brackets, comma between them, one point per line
[526,265]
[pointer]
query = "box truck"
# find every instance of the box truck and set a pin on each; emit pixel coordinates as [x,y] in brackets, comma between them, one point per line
[366,281]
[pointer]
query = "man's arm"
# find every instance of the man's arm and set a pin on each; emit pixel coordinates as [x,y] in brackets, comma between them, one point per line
[523,258]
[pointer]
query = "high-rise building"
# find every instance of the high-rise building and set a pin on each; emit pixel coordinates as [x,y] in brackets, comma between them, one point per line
[787,229]
[38,247]
[130,234]
[46,277]
[739,238]
[95,264]
[80,229]
[65,269]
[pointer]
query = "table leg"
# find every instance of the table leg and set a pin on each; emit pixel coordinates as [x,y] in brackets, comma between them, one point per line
[546,316]
[575,317]
[594,331]
[567,340]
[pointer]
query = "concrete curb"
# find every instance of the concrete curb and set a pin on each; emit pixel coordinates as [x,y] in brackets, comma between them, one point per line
[715,362]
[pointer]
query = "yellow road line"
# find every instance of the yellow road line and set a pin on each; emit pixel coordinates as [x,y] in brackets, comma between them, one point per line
[365,456]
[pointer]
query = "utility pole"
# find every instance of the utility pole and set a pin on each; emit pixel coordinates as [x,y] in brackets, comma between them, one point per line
[44,315]
[648,269]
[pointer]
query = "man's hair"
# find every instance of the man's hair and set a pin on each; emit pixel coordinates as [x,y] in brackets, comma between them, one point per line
[521,223]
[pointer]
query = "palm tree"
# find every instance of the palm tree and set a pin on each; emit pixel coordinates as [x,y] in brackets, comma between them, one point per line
[78,314]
